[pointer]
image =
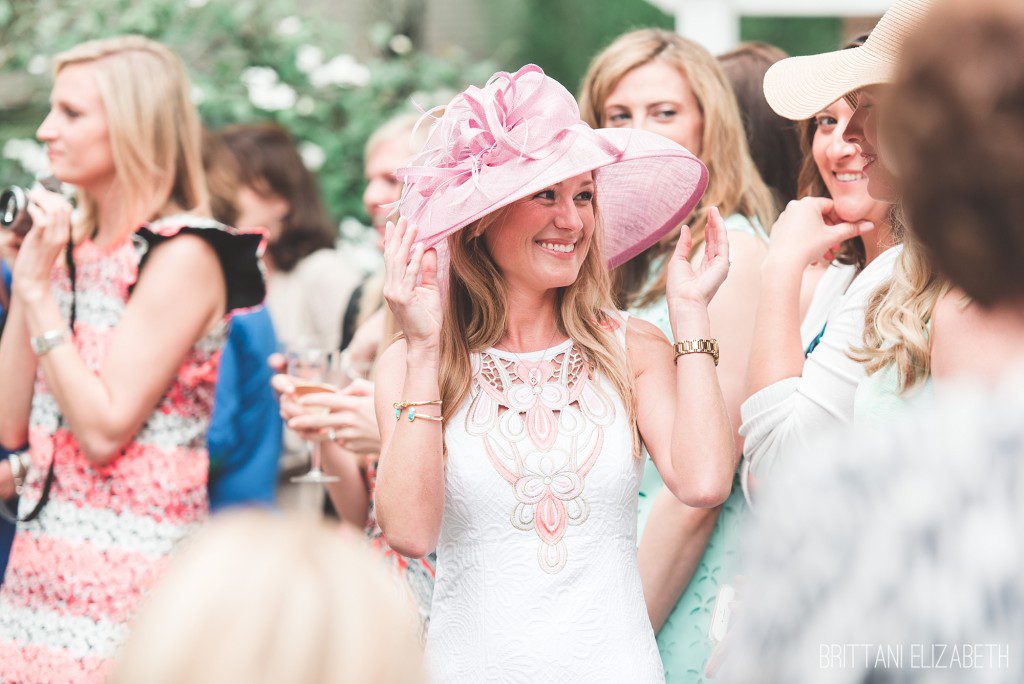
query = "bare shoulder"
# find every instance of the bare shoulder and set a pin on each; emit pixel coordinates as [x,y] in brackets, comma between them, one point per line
[746,254]
[646,344]
[746,248]
[188,266]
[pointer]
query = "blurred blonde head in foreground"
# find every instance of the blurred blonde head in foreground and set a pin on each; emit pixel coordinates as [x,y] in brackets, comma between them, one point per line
[258,597]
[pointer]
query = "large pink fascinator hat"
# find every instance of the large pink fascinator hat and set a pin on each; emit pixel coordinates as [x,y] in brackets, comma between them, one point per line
[522,133]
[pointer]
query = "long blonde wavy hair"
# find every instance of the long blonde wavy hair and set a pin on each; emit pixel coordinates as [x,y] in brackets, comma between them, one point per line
[154,129]
[897,315]
[476,314]
[735,185]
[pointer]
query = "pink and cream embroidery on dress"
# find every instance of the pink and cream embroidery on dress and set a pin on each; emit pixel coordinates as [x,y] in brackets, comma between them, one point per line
[542,424]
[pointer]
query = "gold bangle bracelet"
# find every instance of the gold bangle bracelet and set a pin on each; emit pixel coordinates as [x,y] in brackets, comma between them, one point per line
[701,346]
[407,404]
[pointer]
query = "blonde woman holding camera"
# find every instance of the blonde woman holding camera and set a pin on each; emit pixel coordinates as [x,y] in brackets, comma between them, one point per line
[109,359]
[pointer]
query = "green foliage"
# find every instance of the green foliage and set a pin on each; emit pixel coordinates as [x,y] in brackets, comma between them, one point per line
[795,35]
[561,36]
[249,60]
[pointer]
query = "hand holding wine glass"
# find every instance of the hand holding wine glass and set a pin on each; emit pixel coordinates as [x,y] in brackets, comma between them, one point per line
[348,417]
[310,371]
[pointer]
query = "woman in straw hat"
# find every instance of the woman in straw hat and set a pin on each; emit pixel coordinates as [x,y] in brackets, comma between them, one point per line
[544,392]
[797,393]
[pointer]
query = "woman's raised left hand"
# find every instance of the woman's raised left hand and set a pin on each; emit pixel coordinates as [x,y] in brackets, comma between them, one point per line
[49,236]
[691,286]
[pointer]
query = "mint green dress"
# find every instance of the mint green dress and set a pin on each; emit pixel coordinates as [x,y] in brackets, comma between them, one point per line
[683,640]
[879,403]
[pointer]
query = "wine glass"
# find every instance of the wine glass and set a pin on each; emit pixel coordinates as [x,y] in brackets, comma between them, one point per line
[314,371]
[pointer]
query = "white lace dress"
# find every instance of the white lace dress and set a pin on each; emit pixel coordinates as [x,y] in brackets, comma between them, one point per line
[537,577]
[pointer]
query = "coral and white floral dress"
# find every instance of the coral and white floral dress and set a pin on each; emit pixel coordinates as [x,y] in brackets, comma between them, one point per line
[537,577]
[78,570]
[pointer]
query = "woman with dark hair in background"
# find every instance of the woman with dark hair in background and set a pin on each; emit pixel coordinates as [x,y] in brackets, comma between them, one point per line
[244,439]
[773,141]
[308,281]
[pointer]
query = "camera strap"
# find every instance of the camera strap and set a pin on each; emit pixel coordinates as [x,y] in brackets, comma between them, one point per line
[5,299]
[5,511]
[5,296]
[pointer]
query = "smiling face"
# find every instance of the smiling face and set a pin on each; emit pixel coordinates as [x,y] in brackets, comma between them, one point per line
[76,131]
[657,97]
[841,166]
[542,241]
[862,130]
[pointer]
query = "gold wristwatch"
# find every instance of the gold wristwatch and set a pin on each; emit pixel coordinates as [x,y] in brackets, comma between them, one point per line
[696,347]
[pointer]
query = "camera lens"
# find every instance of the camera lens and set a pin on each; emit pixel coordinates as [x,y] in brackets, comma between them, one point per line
[12,210]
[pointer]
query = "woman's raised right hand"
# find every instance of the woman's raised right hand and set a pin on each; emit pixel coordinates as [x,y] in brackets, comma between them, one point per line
[809,230]
[416,306]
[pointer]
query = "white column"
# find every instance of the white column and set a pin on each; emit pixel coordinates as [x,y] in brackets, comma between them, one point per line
[715,24]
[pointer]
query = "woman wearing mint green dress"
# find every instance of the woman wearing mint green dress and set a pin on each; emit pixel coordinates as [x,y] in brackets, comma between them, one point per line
[661,82]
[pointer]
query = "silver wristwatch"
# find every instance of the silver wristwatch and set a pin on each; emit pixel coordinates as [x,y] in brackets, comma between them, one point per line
[19,469]
[49,340]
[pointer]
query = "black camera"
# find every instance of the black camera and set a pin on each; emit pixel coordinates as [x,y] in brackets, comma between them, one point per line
[14,214]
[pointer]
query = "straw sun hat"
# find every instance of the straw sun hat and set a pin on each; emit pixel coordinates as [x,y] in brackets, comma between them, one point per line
[800,87]
[522,133]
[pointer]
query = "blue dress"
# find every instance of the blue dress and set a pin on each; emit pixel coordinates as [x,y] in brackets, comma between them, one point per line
[244,437]
[683,640]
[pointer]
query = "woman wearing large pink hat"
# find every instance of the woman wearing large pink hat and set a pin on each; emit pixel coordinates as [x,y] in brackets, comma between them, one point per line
[514,408]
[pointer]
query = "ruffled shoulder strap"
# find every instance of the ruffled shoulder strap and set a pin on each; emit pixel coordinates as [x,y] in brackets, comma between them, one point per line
[238,250]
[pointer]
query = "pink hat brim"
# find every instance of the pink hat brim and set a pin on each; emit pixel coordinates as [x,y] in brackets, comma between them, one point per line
[642,193]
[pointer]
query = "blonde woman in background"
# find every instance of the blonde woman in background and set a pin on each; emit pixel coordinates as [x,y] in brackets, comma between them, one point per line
[110,356]
[366,326]
[658,81]
[259,598]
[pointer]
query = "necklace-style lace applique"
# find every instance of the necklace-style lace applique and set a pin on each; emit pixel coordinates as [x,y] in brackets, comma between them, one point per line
[542,424]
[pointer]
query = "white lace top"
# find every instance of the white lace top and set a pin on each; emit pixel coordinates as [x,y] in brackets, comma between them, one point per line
[537,577]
